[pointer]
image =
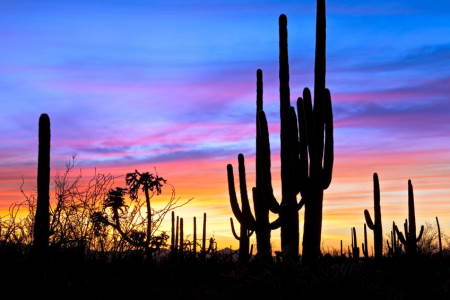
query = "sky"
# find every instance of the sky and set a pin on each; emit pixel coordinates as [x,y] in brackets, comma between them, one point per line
[170,86]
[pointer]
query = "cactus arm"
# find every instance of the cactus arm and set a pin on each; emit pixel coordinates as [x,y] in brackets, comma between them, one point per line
[236,236]
[303,140]
[301,203]
[400,235]
[243,188]
[405,226]
[439,235]
[294,152]
[309,118]
[275,224]
[420,233]
[265,174]
[233,198]
[368,219]
[328,155]
[244,216]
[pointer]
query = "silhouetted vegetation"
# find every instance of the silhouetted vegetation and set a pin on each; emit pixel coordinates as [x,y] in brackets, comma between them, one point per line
[97,235]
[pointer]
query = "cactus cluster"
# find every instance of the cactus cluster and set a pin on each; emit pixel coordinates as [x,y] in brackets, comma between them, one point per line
[179,245]
[306,153]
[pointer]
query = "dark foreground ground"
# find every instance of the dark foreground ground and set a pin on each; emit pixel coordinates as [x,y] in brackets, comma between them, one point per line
[69,274]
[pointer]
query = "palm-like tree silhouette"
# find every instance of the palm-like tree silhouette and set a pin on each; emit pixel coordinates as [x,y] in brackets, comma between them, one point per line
[148,183]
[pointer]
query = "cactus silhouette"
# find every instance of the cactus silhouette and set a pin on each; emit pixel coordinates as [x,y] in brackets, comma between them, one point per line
[439,236]
[365,248]
[394,247]
[194,237]
[181,247]
[177,232]
[172,235]
[42,217]
[258,223]
[410,238]
[204,235]
[244,241]
[376,225]
[318,144]
[306,158]
[355,248]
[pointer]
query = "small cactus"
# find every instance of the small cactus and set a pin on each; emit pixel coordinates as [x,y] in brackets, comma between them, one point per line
[204,235]
[355,248]
[410,238]
[376,225]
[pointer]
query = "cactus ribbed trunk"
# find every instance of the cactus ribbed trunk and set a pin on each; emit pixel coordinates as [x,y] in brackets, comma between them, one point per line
[288,152]
[42,217]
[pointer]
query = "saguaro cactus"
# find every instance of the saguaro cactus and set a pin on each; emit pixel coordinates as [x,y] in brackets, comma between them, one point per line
[244,241]
[194,238]
[410,238]
[204,235]
[181,235]
[306,158]
[376,225]
[42,217]
[318,130]
[258,223]
[172,235]
[355,248]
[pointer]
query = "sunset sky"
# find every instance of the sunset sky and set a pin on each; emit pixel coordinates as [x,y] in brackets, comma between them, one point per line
[171,85]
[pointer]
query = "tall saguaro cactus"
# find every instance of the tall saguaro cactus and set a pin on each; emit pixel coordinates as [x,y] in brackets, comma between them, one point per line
[42,217]
[376,225]
[319,143]
[410,238]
